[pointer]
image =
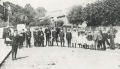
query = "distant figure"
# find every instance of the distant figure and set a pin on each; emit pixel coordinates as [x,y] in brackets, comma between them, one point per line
[35,34]
[22,38]
[112,36]
[48,36]
[95,38]
[74,38]
[105,39]
[54,37]
[69,37]
[100,38]
[40,38]
[15,43]
[62,35]
[28,39]
[58,30]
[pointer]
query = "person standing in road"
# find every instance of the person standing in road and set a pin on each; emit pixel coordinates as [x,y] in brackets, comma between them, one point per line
[95,38]
[40,38]
[35,37]
[58,31]
[100,40]
[105,40]
[112,36]
[75,38]
[69,37]
[28,39]
[62,35]
[48,36]
[23,37]
[54,37]
[15,43]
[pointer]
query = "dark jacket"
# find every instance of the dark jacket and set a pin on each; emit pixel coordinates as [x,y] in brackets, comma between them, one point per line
[15,40]
[28,35]
[61,35]
[58,30]
[68,35]
[54,34]
[48,33]
[40,35]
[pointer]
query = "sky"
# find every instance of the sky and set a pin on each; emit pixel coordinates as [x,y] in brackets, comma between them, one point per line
[52,5]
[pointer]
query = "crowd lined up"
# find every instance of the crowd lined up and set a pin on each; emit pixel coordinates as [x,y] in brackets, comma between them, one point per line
[97,39]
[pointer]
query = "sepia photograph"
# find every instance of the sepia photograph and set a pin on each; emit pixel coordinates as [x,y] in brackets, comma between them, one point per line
[59,34]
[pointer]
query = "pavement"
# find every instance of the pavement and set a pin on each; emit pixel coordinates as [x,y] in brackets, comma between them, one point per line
[63,58]
[4,51]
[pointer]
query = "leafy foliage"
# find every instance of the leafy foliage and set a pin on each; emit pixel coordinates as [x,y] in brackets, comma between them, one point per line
[75,15]
[99,13]
[26,15]
[40,11]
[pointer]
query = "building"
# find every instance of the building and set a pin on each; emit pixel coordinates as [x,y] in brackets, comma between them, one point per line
[58,15]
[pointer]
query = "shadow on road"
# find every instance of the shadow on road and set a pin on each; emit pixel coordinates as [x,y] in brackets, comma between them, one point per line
[21,57]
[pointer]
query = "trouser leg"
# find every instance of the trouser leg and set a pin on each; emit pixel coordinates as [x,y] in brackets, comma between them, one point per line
[61,43]
[40,43]
[15,53]
[75,45]
[104,46]
[46,41]
[34,42]
[72,44]
[112,45]
[52,41]
[43,43]
[29,43]
[56,41]
[108,43]
[99,44]
[68,43]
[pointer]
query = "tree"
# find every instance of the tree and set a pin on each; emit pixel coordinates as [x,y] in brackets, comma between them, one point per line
[103,13]
[30,13]
[40,12]
[93,14]
[75,15]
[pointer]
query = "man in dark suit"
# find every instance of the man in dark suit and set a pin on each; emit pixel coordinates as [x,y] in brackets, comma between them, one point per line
[15,43]
[54,37]
[69,37]
[41,37]
[105,39]
[48,36]
[28,38]
[35,37]
[61,35]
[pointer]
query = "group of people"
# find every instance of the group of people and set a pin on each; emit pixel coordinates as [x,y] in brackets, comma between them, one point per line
[49,35]
[17,39]
[98,39]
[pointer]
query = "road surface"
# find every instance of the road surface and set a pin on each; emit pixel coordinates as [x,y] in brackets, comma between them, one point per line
[63,58]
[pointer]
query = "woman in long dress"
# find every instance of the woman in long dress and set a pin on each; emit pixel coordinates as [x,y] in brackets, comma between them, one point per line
[75,38]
